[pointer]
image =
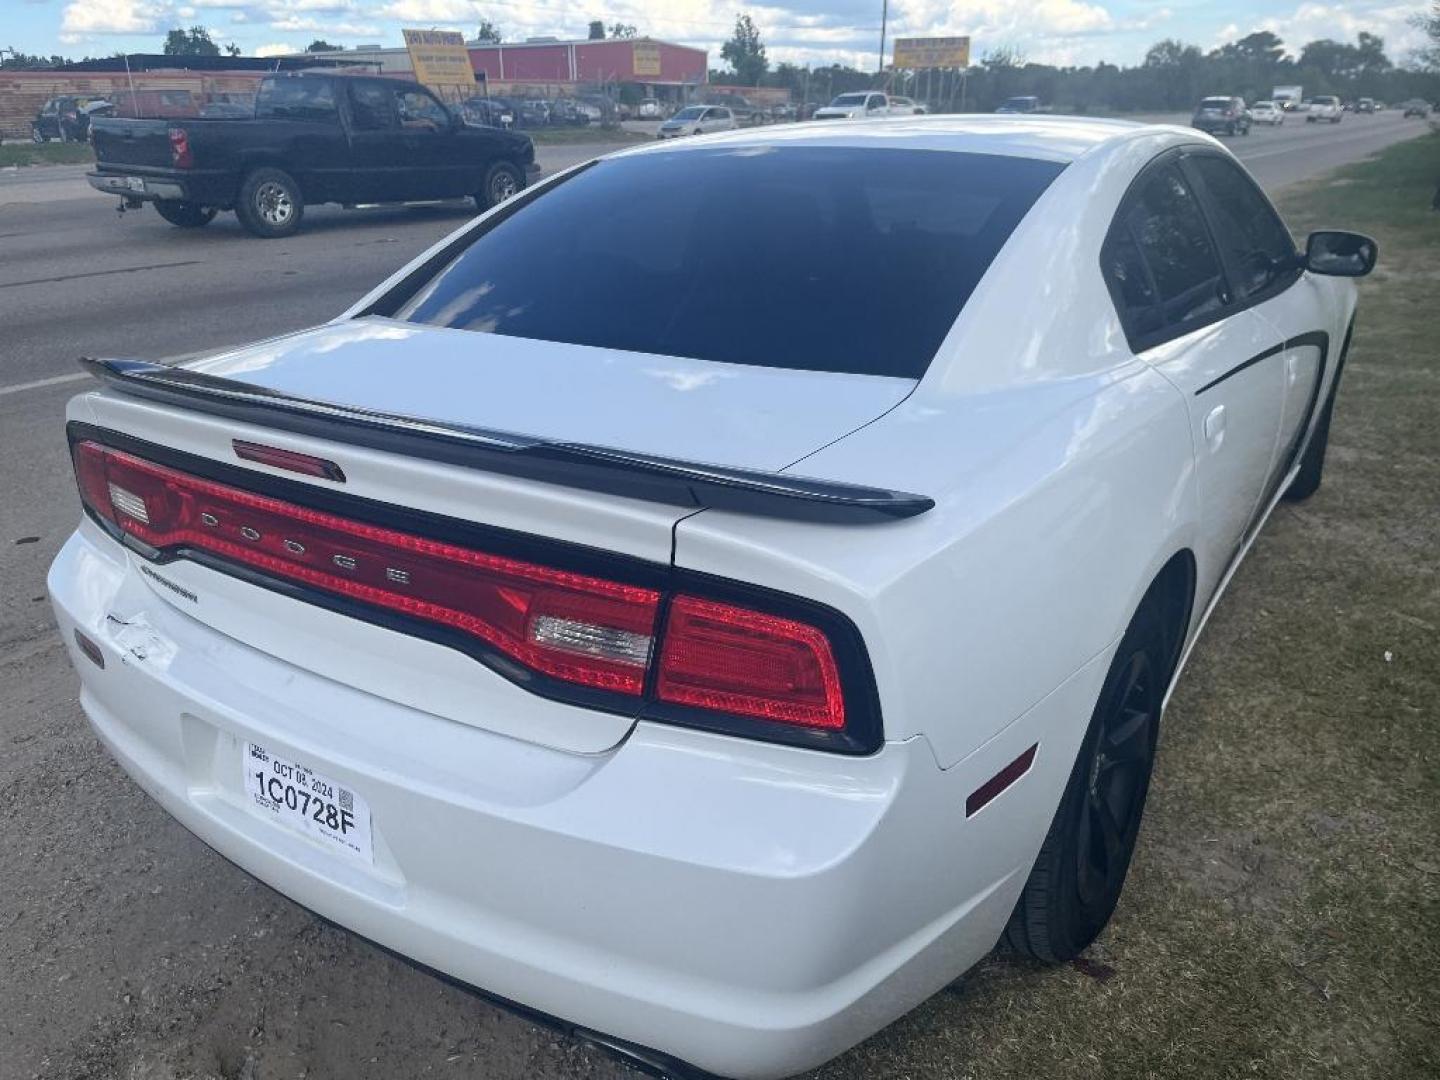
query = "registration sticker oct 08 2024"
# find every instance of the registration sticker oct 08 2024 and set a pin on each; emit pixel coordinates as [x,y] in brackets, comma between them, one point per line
[312,804]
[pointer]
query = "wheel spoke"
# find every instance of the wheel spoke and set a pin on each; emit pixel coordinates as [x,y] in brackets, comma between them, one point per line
[1109,832]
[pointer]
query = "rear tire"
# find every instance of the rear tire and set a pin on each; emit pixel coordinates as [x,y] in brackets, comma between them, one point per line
[270,205]
[185,215]
[502,181]
[1077,878]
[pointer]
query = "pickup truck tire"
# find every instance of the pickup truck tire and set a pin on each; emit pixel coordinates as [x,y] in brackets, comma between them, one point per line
[269,205]
[187,215]
[502,181]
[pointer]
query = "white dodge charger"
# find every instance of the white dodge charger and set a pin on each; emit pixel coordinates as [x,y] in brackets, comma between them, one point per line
[713,597]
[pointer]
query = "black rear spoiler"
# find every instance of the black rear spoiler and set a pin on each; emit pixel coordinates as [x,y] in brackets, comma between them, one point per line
[592,468]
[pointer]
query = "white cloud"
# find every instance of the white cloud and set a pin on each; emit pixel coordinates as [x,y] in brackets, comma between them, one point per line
[278,48]
[83,18]
[1343,22]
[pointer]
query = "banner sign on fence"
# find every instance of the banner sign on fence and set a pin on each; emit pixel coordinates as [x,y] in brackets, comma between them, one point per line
[932,52]
[439,57]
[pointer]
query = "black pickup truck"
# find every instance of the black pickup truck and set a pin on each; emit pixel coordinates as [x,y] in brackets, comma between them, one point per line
[313,139]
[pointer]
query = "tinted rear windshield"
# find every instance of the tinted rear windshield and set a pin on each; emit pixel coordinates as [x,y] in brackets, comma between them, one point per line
[813,258]
[1215,103]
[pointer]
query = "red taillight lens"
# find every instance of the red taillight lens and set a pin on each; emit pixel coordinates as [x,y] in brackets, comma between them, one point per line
[731,659]
[180,148]
[754,672]
[572,627]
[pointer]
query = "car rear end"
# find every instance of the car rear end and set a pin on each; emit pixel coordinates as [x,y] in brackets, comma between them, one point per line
[464,693]
[1216,114]
[162,159]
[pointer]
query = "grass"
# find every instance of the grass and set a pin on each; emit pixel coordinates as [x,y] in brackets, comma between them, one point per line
[51,153]
[562,136]
[1282,917]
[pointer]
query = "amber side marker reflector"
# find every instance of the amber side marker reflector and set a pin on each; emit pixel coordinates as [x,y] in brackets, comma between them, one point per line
[290,460]
[1000,781]
[90,649]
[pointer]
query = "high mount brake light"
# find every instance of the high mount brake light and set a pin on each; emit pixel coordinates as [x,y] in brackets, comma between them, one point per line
[755,672]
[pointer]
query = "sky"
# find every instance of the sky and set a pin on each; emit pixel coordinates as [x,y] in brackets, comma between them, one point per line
[799,31]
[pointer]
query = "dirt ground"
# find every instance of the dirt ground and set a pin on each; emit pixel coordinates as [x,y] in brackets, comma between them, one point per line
[1282,917]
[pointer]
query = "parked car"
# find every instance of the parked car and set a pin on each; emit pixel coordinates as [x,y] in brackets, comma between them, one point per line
[572,112]
[67,118]
[1267,112]
[783,113]
[1415,107]
[651,109]
[862,105]
[899,106]
[1324,107]
[728,763]
[744,112]
[1217,115]
[488,112]
[313,139]
[1365,105]
[532,113]
[698,120]
[1026,103]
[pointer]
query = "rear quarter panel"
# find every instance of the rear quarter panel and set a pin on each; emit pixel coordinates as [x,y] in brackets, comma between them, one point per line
[1063,473]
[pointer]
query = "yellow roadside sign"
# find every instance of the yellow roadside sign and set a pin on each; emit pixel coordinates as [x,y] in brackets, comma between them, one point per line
[439,57]
[645,57]
[932,52]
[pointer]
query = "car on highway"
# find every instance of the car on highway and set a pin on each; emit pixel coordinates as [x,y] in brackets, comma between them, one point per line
[720,686]
[862,105]
[1415,107]
[1324,107]
[1222,115]
[697,120]
[312,139]
[1026,103]
[1365,105]
[1267,112]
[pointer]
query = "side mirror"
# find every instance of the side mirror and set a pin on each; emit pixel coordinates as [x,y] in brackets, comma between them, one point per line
[1340,254]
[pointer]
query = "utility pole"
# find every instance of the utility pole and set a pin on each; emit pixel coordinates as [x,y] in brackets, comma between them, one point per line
[884,18]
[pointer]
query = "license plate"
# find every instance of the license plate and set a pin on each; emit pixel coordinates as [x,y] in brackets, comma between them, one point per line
[135,183]
[303,800]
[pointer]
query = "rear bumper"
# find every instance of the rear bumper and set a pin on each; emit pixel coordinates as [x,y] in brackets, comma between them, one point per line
[136,187]
[751,909]
[205,187]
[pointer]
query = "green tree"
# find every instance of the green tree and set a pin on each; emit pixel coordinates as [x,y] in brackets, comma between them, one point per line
[19,61]
[488,34]
[1260,46]
[1428,55]
[193,42]
[232,49]
[623,30]
[745,52]
[321,45]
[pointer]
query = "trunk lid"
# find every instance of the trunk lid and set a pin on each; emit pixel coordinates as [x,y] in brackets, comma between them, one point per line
[120,141]
[692,410]
[721,414]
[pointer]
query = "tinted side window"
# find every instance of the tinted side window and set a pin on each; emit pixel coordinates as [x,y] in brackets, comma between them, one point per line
[1163,221]
[295,99]
[1255,243]
[369,107]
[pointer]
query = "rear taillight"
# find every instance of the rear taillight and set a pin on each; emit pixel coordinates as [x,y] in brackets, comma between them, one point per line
[732,659]
[712,664]
[180,148]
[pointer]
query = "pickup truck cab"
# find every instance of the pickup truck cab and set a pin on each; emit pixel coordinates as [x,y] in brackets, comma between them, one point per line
[312,139]
[1324,107]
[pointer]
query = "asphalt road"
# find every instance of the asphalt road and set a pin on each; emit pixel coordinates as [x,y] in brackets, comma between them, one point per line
[128,947]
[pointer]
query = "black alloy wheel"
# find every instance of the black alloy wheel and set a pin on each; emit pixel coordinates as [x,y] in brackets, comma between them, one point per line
[1080,870]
